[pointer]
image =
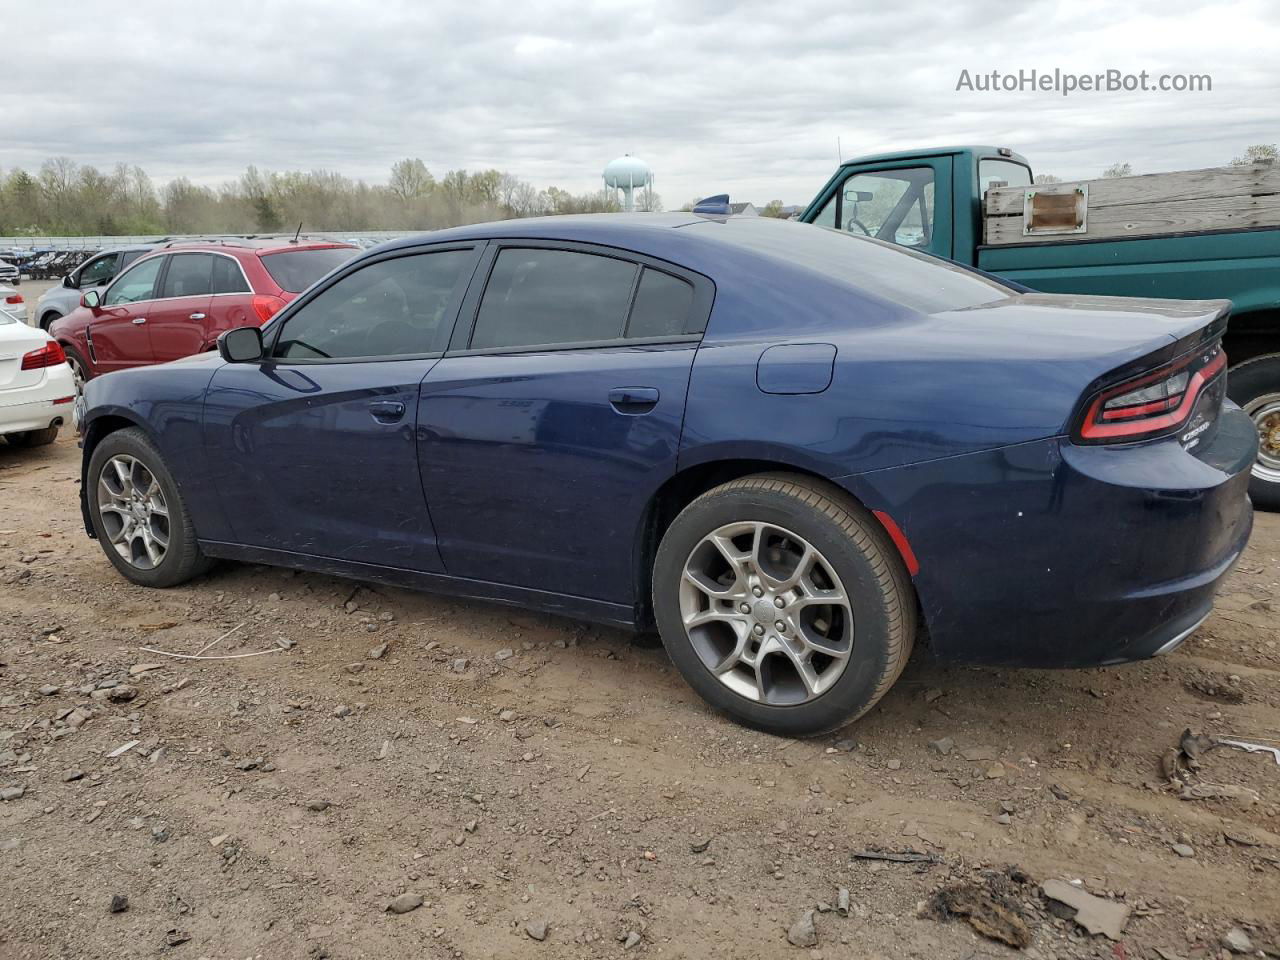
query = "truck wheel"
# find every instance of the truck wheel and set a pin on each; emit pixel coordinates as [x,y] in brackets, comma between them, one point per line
[1255,386]
[783,604]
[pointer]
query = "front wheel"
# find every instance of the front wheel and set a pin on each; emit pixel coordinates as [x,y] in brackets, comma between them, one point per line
[138,515]
[783,603]
[1255,386]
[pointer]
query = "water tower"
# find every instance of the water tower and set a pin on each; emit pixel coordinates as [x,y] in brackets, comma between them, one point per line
[628,174]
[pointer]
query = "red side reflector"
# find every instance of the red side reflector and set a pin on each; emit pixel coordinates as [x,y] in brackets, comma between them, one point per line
[63,400]
[899,540]
[50,355]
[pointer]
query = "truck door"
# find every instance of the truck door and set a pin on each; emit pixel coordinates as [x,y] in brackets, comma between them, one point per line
[907,202]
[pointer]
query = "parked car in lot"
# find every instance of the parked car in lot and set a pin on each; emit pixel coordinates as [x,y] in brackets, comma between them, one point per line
[10,273]
[13,303]
[175,301]
[36,387]
[781,445]
[97,271]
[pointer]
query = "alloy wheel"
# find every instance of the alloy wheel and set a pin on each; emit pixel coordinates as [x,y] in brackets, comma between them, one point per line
[766,613]
[135,515]
[77,374]
[1265,412]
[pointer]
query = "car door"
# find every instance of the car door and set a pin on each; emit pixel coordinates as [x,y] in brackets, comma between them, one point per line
[178,316]
[312,449]
[117,334]
[545,430]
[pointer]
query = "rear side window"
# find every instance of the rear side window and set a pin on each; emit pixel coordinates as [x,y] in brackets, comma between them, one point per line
[295,270]
[661,307]
[389,308]
[537,296]
[136,283]
[227,276]
[189,275]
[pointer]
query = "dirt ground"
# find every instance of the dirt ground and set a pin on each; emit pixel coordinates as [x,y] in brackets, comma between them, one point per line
[523,775]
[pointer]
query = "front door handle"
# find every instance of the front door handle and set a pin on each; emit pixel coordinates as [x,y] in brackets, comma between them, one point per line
[387,411]
[196,316]
[633,399]
[139,319]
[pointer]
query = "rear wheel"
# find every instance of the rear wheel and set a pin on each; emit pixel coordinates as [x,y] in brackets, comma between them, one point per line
[783,604]
[79,371]
[33,438]
[1255,386]
[138,515]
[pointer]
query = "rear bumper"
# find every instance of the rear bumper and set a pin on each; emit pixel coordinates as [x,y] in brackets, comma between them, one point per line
[1048,554]
[35,407]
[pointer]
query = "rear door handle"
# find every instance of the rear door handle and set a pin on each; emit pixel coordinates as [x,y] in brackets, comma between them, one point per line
[387,411]
[633,399]
[139,319]
[196,316]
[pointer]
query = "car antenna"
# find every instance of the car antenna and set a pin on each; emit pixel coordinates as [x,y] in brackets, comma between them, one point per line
[298,234]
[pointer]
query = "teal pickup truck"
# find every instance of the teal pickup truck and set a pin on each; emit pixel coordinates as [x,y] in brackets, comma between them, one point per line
[936,201]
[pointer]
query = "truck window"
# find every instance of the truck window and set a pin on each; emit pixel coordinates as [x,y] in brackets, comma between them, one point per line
[1013,174]
[892,205]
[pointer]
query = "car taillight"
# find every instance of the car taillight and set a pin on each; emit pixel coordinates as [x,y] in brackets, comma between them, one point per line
[14,298]
[266,307]
[50,355]
[1152,404]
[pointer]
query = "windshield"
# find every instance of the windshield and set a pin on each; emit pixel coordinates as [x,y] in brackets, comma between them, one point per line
[914,280]
[295,270]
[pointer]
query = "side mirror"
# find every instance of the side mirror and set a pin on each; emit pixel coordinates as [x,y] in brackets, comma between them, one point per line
[90,299]
[241,345]
[68,282]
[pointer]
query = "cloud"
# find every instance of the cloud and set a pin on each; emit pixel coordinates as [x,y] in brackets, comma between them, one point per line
[748,97]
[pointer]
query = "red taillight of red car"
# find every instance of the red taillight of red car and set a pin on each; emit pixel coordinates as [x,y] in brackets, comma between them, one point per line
[1152,404]
[14,298]
[266,307]
[50,355]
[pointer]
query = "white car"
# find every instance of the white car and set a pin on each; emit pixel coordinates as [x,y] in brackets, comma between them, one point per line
[36,386]
[12,303]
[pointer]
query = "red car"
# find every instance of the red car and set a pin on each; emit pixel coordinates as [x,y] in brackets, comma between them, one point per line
[175,301]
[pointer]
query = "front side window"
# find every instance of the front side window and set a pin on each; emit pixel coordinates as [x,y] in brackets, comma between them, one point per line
[189,275]
[542,297]
[389,308]
[893,205]
[99,270]
[136,283]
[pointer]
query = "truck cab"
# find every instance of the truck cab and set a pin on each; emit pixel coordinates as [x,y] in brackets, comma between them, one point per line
[928,200]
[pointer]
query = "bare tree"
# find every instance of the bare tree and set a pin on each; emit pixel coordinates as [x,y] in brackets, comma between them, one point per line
[1257,153]
[1046,178]
[1117,170]
[410,179]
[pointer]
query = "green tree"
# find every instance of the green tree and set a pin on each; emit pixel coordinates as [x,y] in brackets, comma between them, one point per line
[772,209]
[410,179]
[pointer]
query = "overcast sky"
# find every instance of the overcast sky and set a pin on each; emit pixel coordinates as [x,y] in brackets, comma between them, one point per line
[748,98]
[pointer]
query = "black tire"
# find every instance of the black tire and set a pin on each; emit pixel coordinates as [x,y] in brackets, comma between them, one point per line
[33,438]
[74,360]
[47,320]
[864,559]
[1248,384]
[182,559]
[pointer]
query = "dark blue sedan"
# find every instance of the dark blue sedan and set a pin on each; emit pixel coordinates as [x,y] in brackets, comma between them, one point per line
[789,449]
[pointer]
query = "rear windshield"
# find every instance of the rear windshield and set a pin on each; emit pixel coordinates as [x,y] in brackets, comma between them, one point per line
[914,280]
[295,270]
